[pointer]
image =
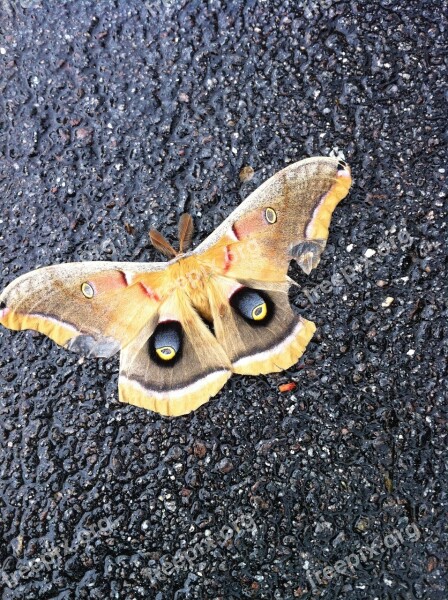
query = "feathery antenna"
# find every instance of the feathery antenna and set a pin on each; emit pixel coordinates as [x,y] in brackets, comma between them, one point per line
[185,232]
[159,242]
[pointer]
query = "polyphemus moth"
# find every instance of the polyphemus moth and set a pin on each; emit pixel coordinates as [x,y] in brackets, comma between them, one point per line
[184,326]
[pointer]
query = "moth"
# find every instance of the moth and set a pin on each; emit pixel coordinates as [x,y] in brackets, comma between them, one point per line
[183,327]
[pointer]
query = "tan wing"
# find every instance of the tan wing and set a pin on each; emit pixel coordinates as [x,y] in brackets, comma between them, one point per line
[94,308]
[270,342]
[174,365]
[285,218]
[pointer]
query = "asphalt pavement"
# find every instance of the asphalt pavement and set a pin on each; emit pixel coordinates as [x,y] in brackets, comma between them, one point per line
[117,116]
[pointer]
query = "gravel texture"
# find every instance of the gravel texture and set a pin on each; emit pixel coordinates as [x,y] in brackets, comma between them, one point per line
[116,116]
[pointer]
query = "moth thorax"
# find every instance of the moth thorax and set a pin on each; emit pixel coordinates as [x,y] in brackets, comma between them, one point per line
[193,280]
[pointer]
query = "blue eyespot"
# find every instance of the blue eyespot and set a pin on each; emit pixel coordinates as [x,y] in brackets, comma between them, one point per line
[165,344]
[254,306]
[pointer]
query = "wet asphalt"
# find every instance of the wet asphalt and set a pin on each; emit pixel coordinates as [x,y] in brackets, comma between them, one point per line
[118,116]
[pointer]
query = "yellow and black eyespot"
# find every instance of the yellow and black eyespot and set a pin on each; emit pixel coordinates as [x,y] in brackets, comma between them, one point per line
[260,312]
[87,290]
[270,215]
[254,306]
[165,344]
[166,352]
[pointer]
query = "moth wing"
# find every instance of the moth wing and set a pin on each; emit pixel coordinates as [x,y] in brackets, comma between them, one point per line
[274,342]
[286,218]
[175,367]
[94,308]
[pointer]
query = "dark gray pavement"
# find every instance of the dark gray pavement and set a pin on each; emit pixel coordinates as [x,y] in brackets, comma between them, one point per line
[118,116]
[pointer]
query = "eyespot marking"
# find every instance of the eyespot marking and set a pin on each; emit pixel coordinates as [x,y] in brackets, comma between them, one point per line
[166,352]
[165,344]
[260,312]
[270,215]
[254,307]
[87,290]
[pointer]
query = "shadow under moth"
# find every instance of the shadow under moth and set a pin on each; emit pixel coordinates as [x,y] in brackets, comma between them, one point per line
[183,327]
